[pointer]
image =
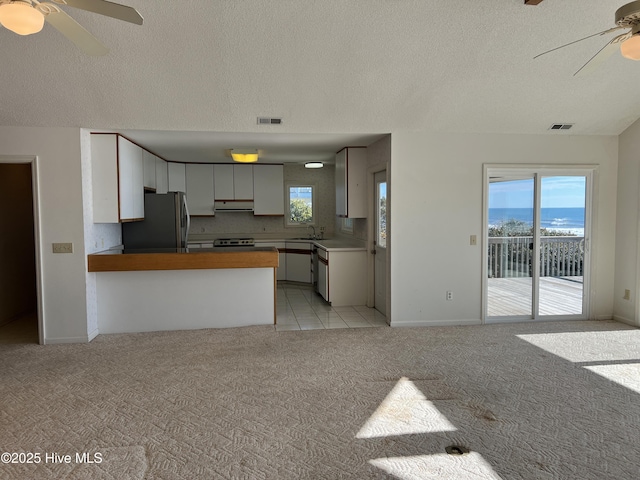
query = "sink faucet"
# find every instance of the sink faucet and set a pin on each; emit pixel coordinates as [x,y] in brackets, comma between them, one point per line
[314,231]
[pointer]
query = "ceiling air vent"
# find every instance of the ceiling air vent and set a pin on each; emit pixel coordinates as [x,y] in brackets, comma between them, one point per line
[269,121]
[561,126]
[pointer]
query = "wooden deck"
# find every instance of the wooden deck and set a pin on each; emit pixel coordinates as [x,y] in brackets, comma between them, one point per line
[512,296]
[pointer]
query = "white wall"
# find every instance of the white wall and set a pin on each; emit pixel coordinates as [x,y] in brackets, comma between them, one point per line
[61,220]
[627,235]
[437,204]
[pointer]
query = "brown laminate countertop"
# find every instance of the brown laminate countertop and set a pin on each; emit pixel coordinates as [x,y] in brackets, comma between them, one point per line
[124,260]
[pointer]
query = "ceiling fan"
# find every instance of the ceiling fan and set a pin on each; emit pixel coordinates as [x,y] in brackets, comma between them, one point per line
[627,17]
[26,17]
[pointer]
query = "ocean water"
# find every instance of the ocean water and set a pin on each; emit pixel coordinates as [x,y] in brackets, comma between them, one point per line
[565,219]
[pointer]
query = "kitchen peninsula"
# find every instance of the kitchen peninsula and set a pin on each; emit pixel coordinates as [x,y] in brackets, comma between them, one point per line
[182,289]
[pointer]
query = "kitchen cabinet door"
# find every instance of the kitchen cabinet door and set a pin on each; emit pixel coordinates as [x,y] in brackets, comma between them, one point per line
[299,262]
[351,182]
[223,181]
[162,176]
[323,276]
[268,190]
[243,182]
[149,160]
[200,192]
[177,177]
[117,173]
[346,278]
[131,180]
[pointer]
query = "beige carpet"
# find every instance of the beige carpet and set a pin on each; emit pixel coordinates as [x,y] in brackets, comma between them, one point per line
[529,401]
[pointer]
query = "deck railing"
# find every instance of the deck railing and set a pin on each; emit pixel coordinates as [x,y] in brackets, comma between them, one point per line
[559,256]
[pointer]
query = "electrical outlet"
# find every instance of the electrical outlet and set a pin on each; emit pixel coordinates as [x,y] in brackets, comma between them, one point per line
[62,247]
[449,295]
[627,294]
[473,240]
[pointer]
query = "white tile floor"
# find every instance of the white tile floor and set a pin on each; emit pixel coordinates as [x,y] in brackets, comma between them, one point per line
[300,308]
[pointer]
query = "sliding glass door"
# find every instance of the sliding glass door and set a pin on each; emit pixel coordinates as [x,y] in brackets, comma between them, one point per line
[536,224]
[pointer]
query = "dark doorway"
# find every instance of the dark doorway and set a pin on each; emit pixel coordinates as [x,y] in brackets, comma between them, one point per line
[18,295]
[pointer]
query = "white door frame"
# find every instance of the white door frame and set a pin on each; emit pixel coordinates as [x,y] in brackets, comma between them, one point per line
[371,187]
[36,228]
[590,172]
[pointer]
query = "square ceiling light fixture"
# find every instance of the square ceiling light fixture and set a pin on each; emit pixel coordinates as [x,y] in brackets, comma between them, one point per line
[245,156]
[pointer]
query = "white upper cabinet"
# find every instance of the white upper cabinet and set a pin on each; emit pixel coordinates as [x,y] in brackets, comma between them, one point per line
[162,176]
[131,177]
[351,183]
[117,179]
[200,191]
[268,190]
[243,182]
[223,181]
[177,177]
[149,160]
[233,182]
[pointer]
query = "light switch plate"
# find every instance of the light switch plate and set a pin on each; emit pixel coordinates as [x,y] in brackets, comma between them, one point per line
[473,240]
[62,248]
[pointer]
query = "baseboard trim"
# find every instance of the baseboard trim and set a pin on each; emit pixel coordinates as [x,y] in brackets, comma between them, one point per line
[626,320]
[59,340]
[93,335]
[434,323]
[604,317]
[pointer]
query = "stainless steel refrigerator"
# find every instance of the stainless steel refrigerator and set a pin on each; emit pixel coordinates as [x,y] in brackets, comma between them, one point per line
[165,225]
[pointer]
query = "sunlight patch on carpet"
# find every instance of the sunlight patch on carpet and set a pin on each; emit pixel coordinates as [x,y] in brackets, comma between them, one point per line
[440,466]
[405,411]
[589,346]
[627,375]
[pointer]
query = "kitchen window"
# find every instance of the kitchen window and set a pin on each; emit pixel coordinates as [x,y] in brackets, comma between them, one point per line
[301,204]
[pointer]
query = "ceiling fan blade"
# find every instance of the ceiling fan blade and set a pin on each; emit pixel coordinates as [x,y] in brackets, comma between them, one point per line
[108,9]
[576,41]
[76,33]
[604,53]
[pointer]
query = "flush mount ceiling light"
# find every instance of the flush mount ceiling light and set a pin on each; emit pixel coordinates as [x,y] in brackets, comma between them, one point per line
[21,18]
[245,156]
[313,165]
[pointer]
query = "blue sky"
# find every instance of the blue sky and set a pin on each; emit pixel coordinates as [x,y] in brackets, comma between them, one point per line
[557,192]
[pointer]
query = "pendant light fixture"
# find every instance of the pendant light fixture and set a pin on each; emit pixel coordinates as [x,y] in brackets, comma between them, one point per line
[21,18]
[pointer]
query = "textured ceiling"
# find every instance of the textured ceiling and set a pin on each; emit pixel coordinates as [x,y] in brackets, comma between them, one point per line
[330,67]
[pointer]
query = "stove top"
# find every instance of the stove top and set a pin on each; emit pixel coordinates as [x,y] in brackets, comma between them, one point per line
[234,242]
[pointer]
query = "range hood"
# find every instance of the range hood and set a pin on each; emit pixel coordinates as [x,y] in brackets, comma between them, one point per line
[233,206]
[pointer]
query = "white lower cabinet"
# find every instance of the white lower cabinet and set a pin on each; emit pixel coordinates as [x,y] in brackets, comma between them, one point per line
[298,260]
[342,279]
[323,274]
[281,272]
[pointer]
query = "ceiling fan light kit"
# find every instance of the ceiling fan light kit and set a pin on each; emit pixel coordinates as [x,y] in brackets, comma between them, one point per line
[26,17]
[21,18]
[631,48]
[626,17]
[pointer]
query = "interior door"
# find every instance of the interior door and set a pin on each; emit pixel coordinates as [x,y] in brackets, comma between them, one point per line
[380,242]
